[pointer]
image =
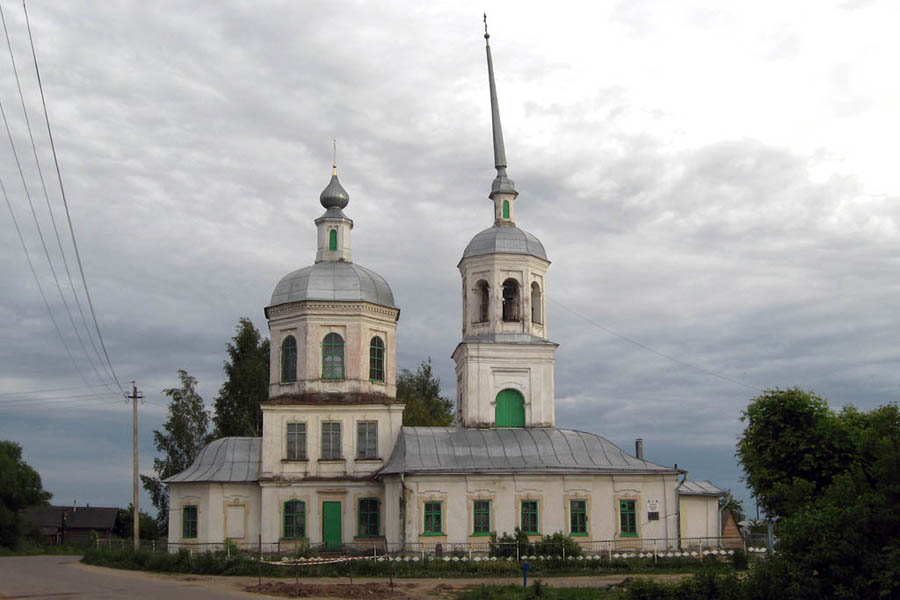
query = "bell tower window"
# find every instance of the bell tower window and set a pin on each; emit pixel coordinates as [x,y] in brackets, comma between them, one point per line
[509,409]
[332,239]
[506,209]
[536,307]
[333,357]
[484,301]
[510,300]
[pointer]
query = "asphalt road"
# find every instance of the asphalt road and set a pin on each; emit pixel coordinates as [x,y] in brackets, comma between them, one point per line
[53,577]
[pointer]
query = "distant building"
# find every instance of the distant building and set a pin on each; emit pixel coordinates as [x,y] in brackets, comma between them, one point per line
[70,524]
[335,466]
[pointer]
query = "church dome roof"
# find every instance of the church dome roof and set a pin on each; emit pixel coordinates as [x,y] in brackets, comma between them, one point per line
[505,240]
[333,280]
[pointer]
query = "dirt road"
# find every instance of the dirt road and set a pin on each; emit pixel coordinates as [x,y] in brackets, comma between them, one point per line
[51,577]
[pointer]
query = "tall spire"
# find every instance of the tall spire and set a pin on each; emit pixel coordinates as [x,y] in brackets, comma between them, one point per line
[502,183]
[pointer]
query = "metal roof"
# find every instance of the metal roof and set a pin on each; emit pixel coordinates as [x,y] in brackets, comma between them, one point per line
[510,450]
[232,459]
[504,240]
[700,488]
[335,280]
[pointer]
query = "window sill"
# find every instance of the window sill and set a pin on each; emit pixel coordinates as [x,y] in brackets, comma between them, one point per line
[481,534]
[295,460]
[369,537]
[584,534]
[287,382]
[332,460]
[370,460]
[378,381]
[434,533]
[532,532]
[293,539]
[628,535]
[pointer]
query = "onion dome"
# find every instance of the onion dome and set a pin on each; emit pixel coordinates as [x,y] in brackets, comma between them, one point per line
[334,195]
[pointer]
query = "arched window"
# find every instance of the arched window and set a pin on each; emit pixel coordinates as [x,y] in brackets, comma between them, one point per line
[376,359]
[332,239]
[510,409]
[333,357]
[536,316]
[289,359]
[506,209]
[510,300]
[484,301]
[294,519]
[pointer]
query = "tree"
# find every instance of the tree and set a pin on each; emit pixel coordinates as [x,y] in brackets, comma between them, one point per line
[125,524]
[237,407]
[839,536]
[421,391]
[791,449]
[20,487]
[186,432]
[734,505]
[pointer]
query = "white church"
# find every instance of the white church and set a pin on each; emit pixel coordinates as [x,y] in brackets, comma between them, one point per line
[335,466]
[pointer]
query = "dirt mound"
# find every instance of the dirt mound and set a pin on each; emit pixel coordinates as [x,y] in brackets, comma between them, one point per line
[375,591]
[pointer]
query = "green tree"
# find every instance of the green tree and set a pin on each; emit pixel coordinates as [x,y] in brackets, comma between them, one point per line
[237,407]
[839,537]
[20,487]
[184,434]
[125,525]
[734,505]
[421,392]
[791,449]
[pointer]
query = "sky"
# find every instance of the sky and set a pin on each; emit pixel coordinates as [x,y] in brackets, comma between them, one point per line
[715,184]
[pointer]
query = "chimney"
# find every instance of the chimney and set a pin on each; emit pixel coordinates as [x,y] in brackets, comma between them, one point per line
[639,448]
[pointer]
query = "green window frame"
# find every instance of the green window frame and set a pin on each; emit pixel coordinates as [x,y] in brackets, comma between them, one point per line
[509,409]
[369,517]
[481,517]
[332,239]
[296,441]
[506,209]
[289,359]
[376,359]
[294,520]
[331,440]
[578,517]
[628,518]
[333,356]
[529,517]
[189,522]
[433,518]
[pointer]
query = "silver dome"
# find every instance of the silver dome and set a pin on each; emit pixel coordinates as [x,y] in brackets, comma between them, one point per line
[504,240]
[328,280]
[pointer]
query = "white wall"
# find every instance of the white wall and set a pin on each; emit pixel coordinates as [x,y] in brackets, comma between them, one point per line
[216,503]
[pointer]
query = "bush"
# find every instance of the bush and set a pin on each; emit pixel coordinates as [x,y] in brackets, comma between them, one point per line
[739,560]
[553,545]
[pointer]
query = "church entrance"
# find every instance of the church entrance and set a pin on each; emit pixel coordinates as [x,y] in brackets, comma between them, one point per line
[331,526]
[510,409]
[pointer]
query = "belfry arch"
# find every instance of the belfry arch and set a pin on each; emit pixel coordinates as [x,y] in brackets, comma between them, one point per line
[509,409]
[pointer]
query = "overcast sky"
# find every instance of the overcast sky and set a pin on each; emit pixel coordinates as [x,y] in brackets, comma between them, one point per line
[715,184]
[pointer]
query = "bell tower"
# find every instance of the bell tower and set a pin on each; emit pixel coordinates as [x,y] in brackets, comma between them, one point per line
[504,363]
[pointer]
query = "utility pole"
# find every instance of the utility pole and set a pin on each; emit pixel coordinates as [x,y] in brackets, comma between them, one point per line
[136,515]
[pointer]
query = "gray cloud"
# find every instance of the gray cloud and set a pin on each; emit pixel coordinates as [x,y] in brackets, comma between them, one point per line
[194,141]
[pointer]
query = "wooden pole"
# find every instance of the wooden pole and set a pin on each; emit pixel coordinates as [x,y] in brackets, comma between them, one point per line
[136,515]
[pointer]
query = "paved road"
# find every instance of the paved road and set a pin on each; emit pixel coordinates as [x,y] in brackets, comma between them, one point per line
[53,577]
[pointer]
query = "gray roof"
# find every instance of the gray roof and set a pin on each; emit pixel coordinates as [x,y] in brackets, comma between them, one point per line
[232,459]
[510,450]
[700,488]
[333,280]
[504,240]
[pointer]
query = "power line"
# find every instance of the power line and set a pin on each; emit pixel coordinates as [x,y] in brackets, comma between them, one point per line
[12,400]
[62,190]
[38,282]
[52,217]
[683,363]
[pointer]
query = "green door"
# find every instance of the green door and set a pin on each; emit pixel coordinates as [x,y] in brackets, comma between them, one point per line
[331,526]
[510,409]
